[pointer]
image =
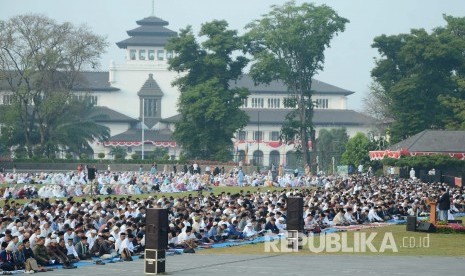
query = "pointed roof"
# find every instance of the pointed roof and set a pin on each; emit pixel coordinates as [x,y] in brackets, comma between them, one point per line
[152,32]
[150,88]
[433,141]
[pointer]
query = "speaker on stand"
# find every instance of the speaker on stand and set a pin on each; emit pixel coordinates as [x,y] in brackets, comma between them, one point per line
[156,240]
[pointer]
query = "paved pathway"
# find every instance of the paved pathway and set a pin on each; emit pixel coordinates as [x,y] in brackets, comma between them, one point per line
[288,264]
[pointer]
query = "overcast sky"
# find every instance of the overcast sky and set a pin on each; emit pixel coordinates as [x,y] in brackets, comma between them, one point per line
[348,61]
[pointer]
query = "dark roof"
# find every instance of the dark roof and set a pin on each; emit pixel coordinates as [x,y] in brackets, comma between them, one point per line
[150,33]
[105,114]
[433,141]
[94,81]
[85,81]
[150,88]
[278,87]
[152,20]
[134,134]
[322,117]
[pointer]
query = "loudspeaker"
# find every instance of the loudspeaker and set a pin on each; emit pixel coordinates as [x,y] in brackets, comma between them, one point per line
[411,223]
[295,213]
[91,173]
[154,266]
[156,236]
[425,227]
[152,254]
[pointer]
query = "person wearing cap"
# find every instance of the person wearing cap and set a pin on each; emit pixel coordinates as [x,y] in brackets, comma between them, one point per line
[40,252]
[249,231]
[91,237]
[53,250]
[373,216]
[71,252]
[8,262]
[234,232]
[82,249]
[126,247]
[101,246]
[19,256]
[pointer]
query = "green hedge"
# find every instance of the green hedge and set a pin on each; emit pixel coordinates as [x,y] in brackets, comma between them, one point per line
[438,161]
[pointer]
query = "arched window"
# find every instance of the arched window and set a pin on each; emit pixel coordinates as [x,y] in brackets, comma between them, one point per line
[275,158]
[258,158]
[241,156]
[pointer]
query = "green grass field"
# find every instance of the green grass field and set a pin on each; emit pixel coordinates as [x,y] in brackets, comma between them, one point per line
[216,191]
[402,243]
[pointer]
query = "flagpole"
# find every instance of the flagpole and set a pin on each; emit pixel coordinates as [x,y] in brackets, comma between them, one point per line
[143,126]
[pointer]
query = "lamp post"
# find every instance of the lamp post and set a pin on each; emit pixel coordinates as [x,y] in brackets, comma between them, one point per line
[143,126]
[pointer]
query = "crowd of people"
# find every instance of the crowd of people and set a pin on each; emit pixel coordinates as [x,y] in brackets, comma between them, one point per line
[45,232]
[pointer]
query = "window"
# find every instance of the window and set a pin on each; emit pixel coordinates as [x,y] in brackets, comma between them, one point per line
[142,54]
[258,158]
[169,54]
[274,136]
[7,99]
[244,102]
[242,135]
[150,108]
[257,102]
[160,55]
[258,135]
[89,98]
[275,158]
[132,54]
[151,54]
[274,103]
[322,103]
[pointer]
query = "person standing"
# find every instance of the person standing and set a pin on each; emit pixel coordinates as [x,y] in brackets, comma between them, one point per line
[444,204]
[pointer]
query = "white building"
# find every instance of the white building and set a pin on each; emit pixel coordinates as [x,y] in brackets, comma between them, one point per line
[140,88]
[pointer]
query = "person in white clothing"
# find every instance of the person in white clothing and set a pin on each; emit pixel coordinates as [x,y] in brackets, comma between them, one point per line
[249,231]
[373,216]
[72,254]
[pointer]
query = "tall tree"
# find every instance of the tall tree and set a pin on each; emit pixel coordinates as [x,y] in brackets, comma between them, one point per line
[288,44]
[331,144]
[209,107]
[357,150]
[415,71]
[40,60]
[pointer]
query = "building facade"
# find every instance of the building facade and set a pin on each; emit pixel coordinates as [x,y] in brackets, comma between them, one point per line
[140,104]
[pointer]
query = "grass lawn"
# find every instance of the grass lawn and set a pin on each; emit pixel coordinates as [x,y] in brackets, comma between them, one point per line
[216,191]
[406,243]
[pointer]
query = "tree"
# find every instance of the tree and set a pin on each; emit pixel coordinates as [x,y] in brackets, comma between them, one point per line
[331,144]
[210,114]
[357,150]
[415,72]
[288,44]
[40,60]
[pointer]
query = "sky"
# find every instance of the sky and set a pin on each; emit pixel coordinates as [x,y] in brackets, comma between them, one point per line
[348,61]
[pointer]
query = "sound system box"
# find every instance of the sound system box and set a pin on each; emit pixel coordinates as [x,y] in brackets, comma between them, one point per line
[156,240]
[411,223]
[91,173]
[154,267]
[295,213]
[156,235]
[425,227]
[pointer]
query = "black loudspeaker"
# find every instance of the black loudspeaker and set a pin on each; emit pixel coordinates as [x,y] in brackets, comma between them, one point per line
[153,254]
[295,213]
[91,173]
[154,266]
[156,236]
[425,227]
[411,223]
